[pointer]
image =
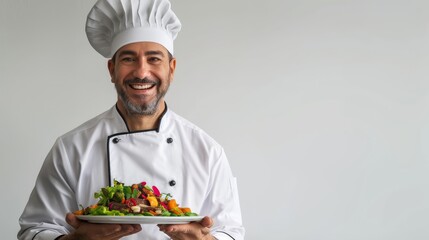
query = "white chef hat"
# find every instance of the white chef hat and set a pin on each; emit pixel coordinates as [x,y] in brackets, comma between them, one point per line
[112,24]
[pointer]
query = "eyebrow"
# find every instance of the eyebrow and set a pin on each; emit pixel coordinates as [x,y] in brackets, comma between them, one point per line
[154,52]
[147,53]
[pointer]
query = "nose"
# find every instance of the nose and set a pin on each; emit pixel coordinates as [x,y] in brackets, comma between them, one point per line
[142,69]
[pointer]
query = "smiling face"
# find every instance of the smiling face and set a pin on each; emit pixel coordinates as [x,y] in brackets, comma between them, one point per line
[142,73]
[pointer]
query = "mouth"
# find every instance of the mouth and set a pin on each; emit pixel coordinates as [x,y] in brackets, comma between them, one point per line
[142,86]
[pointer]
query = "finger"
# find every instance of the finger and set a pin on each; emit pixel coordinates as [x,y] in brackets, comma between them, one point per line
[123,231]
[207,222]
[166,228]
[205,231]
[137,228]
[162,227]
[72,220]
[111,229]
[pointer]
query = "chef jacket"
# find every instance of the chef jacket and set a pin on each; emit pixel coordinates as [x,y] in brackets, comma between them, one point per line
[177,157]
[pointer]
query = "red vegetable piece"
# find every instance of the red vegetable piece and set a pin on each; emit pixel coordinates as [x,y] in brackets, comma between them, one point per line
[156,191]
[164,205]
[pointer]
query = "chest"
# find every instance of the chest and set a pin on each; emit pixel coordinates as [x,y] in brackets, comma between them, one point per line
[169,161]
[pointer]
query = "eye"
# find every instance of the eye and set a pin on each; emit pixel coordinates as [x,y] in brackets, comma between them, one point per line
[128,60]
[154,60]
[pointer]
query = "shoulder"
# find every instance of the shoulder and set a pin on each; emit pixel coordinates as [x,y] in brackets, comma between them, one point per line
[101,125]
[189,127]
[193,138]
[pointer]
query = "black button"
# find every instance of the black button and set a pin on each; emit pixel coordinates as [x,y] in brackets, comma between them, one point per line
[116,140]
[169,140]
[172,183]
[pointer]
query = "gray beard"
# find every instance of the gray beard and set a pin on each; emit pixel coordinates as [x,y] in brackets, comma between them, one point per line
[135,109]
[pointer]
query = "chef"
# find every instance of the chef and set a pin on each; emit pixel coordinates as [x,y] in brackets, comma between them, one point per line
[138,139]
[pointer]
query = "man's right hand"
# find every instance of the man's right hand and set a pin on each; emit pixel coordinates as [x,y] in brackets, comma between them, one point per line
[91,231]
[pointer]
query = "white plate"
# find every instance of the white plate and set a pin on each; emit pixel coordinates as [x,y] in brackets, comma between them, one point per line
[139,219]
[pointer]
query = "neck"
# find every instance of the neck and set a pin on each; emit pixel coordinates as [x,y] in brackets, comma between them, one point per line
[136,122]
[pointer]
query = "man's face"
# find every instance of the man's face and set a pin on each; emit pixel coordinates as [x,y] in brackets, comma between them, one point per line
[142,73]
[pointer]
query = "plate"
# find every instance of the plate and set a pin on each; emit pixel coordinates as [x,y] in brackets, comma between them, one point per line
[139,219]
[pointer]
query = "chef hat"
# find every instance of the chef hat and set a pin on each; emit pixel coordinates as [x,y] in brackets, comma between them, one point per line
[112,24]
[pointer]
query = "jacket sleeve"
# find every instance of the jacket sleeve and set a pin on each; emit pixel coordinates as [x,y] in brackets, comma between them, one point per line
[222,203]
[52,197]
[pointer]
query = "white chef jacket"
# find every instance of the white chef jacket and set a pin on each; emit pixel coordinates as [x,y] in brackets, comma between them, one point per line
[178,157]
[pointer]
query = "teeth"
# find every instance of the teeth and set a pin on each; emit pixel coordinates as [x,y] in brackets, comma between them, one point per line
[141,86]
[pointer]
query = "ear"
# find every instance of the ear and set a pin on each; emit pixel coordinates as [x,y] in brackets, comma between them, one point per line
[172,68]
[111,67]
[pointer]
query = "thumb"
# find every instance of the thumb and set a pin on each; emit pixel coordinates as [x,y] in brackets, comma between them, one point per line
[207,222]
[72,220]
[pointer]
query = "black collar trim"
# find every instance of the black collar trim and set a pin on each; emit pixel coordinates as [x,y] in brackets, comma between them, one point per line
[148,130]
[109,175]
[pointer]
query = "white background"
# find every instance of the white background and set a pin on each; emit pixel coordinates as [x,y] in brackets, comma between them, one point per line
[322,106]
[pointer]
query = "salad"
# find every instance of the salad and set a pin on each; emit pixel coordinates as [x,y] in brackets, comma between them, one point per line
[135,200]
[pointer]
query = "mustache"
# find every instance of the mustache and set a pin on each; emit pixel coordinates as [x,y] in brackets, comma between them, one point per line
[141,81]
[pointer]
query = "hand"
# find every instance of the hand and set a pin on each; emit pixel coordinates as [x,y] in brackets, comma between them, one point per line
[191,231]
[90,231]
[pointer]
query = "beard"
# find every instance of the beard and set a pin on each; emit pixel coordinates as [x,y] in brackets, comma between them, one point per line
[144,108]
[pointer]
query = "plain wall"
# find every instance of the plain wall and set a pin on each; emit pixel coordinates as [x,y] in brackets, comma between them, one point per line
[322,106]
